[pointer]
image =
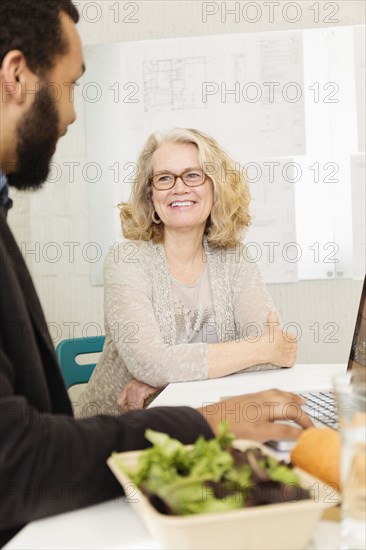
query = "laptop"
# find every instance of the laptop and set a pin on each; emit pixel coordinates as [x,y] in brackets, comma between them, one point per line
[321,405]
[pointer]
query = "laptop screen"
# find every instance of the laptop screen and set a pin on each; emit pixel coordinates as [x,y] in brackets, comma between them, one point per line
[357,358]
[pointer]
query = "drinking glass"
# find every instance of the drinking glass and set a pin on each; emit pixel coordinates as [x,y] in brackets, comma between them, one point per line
[350,391]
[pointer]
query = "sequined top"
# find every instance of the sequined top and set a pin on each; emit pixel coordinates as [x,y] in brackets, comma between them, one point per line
[193,311]
[142,336]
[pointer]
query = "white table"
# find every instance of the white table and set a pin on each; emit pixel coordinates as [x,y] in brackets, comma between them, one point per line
[113,524]
[298,378]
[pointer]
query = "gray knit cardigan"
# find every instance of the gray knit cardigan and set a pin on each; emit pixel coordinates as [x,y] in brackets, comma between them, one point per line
[140,324]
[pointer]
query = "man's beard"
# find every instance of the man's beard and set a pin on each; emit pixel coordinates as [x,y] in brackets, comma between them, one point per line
[37,135]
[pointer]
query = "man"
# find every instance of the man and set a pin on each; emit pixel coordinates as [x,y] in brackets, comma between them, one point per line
[49,462]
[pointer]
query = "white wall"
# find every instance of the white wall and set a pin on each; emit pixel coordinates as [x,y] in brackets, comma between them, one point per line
[59,213]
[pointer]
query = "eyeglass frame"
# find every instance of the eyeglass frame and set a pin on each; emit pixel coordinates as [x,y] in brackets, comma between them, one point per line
[176,176]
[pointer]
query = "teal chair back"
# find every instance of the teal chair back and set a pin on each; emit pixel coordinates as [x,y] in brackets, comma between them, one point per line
[68,350]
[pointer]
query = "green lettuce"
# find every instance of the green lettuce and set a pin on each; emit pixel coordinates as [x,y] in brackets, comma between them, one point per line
[204,478]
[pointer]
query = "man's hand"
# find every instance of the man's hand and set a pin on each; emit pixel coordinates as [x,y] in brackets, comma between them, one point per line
[135,395]
[252,416]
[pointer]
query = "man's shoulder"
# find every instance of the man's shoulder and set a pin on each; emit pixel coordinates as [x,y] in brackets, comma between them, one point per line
[9,250]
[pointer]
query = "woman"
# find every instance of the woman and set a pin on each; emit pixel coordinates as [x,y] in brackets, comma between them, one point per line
[183,301]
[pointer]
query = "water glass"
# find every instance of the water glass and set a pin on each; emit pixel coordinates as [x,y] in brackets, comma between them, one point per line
[350,391]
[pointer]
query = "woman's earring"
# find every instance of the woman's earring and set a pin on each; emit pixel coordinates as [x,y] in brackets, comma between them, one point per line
[155,218]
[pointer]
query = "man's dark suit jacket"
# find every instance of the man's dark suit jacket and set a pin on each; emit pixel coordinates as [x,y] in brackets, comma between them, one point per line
[50,462]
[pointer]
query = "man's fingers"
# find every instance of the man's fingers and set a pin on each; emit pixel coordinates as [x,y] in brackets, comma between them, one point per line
[283,431]
[292,411]
[288,407]
[303,420]
[282,397]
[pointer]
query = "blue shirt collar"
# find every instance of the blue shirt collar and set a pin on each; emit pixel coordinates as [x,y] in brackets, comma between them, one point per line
[3,181]
[5,201]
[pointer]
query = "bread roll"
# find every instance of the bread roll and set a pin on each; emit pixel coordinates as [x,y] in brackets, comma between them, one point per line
[317,451]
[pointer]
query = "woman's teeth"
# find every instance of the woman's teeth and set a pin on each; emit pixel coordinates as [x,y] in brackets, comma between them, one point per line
[181,203]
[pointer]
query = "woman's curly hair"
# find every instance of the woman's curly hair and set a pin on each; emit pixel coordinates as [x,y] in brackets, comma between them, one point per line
[229,215]
[34,28]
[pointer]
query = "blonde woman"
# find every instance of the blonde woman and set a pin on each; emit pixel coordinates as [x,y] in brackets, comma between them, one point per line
[183,300]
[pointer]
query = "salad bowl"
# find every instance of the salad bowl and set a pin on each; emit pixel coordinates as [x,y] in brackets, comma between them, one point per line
[280,526]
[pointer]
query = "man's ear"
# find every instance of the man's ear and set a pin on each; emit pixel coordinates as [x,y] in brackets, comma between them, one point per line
[17,80]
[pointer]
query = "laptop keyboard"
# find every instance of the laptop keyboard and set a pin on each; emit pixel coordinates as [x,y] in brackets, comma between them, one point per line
[322,407]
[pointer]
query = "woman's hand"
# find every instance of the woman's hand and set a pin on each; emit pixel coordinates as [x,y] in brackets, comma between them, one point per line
[279,346]
[135,395]
[275,345]
[253,416]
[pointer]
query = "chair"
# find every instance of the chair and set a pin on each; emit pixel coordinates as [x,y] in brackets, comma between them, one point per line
[67,352]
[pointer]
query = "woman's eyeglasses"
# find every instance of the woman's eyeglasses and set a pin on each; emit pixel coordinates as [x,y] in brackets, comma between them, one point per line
[167,180]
